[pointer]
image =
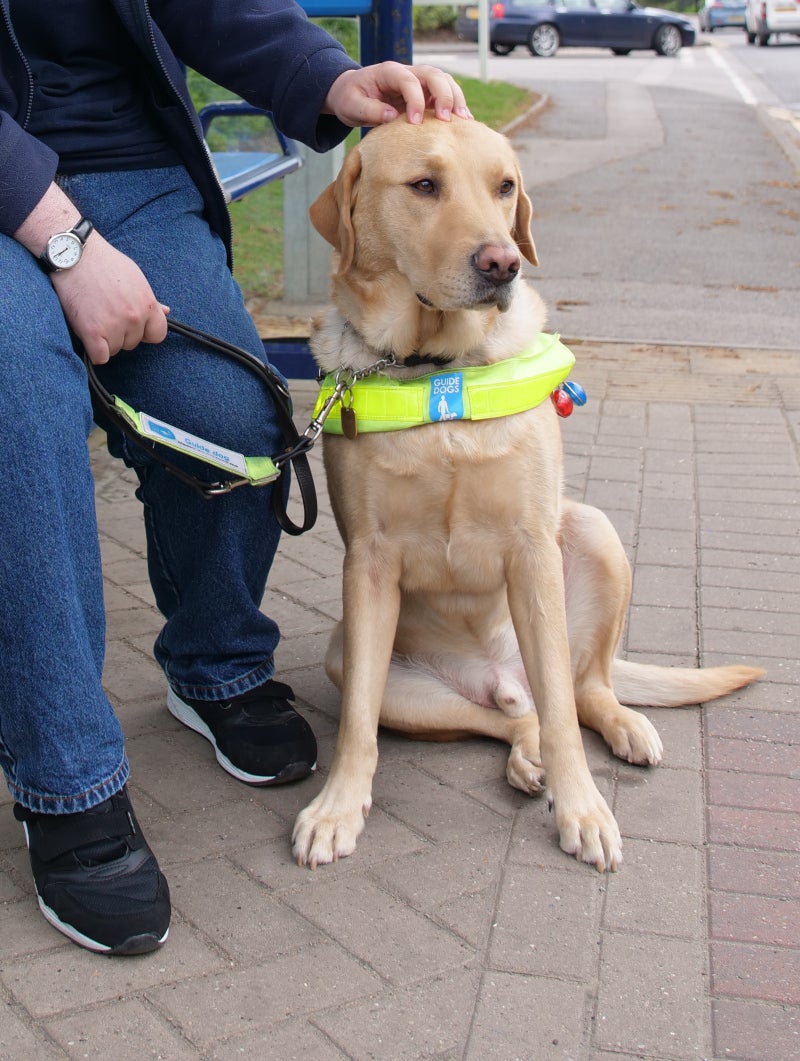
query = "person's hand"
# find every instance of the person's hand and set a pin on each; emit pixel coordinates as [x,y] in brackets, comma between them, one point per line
[373,95]
[106,298]
[108,302]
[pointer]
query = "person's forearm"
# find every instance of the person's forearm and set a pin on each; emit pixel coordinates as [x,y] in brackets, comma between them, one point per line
[54,212]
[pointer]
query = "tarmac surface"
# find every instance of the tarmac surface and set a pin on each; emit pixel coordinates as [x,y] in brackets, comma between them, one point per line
[665,209]
[458,929]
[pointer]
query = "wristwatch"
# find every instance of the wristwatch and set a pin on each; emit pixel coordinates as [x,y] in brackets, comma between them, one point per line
[64,249]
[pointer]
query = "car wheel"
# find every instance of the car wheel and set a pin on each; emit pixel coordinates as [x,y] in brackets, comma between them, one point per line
[502,49]
[667,40]
[621,51]
[751,37]
[544,40]
[763,39]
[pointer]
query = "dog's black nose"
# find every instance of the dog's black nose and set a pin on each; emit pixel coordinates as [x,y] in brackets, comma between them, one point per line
[496,262]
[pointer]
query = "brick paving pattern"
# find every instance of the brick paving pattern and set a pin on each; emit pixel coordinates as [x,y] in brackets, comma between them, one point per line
[458,929]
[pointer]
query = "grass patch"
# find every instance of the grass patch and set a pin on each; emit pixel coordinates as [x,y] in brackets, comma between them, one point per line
[258,218]
[258,241]
[495,103]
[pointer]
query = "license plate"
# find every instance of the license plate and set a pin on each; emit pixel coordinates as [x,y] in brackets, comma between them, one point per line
[472,13]
[734,19]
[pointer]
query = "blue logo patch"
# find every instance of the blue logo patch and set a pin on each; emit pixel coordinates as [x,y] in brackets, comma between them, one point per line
[447,397]
[160,429]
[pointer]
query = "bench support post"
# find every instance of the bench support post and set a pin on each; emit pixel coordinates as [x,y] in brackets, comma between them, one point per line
[306,255]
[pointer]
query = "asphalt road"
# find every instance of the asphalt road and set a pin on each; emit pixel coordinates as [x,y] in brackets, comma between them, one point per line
[666,192]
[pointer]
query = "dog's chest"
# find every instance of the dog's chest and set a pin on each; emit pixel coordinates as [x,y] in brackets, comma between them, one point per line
[450,500]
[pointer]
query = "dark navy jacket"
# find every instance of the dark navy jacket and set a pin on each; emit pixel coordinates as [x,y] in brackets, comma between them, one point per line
[266,51]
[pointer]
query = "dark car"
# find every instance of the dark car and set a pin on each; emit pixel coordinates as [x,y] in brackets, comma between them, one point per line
[718,14]
[620,25]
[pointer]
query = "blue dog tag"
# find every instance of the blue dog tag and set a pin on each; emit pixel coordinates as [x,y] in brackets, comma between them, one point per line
[447,397]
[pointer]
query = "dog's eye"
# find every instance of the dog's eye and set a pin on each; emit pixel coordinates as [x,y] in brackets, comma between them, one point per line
[426,186]
[507,187]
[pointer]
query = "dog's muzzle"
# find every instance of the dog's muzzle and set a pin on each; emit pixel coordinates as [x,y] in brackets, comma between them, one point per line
[497,267]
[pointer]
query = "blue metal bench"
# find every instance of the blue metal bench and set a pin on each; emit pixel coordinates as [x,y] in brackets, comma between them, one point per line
[256,161]
[243,170]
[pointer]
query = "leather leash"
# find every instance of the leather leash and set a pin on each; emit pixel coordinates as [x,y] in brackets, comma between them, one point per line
[130,423]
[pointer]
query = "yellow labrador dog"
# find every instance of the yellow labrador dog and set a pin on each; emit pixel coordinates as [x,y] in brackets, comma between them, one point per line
[473,590]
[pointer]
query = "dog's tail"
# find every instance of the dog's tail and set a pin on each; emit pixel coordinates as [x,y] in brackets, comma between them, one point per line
[645,685]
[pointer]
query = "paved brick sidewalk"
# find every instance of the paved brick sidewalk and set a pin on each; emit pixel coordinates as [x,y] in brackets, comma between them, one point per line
[458,929]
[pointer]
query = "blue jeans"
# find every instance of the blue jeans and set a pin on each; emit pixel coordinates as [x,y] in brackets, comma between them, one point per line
[61,746]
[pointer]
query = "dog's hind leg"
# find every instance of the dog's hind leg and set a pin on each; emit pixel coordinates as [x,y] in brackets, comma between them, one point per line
[598,585]
[420,705]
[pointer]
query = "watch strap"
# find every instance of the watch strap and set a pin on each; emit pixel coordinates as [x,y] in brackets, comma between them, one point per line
[83,229]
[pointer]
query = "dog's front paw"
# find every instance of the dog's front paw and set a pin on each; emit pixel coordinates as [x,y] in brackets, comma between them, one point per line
[326,831]
[588,830]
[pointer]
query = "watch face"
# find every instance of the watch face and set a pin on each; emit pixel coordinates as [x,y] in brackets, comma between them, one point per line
[64,250]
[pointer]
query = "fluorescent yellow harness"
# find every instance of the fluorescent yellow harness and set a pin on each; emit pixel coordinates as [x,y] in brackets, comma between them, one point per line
[479,392]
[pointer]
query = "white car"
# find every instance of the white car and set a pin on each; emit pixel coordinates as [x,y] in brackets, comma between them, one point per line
[766,18]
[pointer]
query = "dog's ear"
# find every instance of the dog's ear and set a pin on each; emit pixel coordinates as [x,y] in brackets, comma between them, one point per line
[331,213]
[522,223]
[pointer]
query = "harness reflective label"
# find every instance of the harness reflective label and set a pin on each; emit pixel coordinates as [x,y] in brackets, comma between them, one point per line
[256,470]
[193,445]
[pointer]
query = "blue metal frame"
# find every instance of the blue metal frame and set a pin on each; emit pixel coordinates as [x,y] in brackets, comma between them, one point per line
[241,172]
[385,26]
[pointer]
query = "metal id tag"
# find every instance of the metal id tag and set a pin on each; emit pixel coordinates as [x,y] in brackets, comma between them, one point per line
[349,425]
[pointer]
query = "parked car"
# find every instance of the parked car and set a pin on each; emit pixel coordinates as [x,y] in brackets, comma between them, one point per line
[543,27]
[765,18]
[719,14]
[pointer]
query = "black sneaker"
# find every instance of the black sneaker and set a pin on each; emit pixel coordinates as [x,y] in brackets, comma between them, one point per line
[97,880]
[258,737]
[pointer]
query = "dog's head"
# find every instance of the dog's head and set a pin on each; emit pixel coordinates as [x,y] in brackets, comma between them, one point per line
[438,209]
